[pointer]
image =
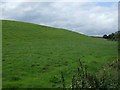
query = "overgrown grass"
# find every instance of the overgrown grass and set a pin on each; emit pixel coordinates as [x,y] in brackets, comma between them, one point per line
[106,78]
[35,55]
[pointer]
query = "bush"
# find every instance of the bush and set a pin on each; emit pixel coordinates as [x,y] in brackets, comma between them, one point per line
[85,79]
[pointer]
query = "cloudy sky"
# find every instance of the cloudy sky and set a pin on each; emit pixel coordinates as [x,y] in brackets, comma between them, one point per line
[89,18]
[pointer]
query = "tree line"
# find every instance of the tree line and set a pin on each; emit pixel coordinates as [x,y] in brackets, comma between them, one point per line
[112,36]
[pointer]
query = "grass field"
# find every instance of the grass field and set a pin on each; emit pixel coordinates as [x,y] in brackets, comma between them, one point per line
[34,55]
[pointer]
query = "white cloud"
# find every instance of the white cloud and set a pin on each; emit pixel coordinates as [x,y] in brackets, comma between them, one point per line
[87,18]
[60,0]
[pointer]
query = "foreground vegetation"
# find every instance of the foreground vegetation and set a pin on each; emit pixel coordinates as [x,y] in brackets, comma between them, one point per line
[106,78]
[34,55]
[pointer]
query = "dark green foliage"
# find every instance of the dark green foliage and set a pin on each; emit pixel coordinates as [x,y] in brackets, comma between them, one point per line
[105,36]
[85,79]
[62,80]
[113,36]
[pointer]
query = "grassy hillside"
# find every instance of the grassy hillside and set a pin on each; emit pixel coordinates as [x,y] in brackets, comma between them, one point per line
[34,55]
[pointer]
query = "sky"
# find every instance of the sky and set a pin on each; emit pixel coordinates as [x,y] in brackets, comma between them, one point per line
[89,18]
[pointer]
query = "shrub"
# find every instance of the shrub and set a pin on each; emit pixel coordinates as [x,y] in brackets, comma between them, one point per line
[85,79]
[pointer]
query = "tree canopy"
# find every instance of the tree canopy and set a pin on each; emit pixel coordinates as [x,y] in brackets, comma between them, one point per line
[112,36]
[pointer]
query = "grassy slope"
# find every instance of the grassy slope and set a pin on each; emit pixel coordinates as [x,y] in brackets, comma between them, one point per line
[34,55]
